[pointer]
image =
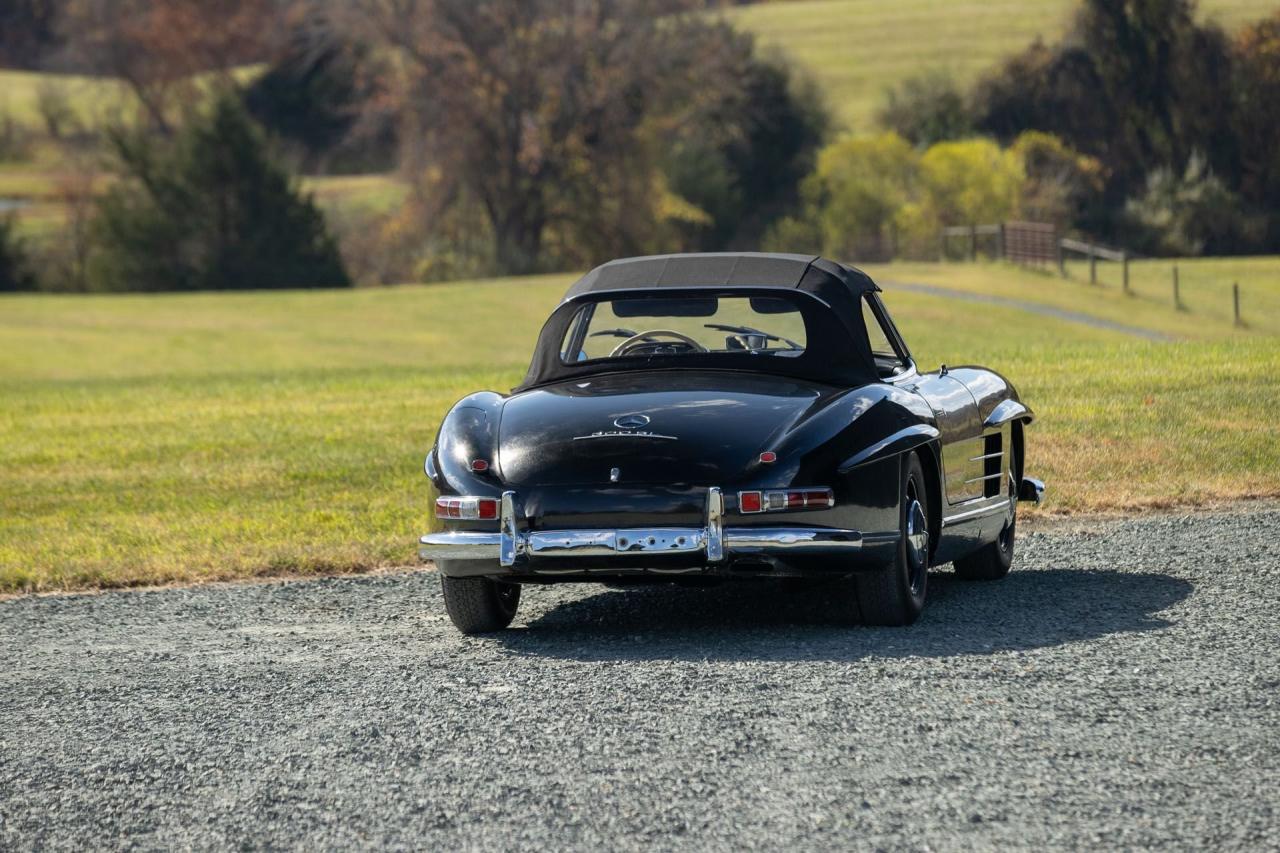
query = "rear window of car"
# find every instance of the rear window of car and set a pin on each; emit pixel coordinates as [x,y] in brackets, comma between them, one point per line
[675,326]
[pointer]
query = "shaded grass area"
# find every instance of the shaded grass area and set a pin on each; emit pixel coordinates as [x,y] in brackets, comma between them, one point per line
[856,48]
[146,439]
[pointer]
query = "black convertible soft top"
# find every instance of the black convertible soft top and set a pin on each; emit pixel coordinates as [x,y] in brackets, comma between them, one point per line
[825,279]
[828,293]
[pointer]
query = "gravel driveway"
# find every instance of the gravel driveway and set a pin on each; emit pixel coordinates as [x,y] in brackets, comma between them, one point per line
[1121,688]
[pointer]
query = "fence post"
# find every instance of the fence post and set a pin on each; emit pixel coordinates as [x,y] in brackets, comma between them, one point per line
[973,242]
[942,245]
[1124,265]
[1093,267]
[1000,253]
[1235,301]
[1177,298]
[1062,260]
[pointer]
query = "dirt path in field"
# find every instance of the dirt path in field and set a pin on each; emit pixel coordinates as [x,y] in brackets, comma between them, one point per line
[1033,307]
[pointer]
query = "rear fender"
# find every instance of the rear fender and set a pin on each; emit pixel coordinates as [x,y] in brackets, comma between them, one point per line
[904,440]
[827,438]
[468,433]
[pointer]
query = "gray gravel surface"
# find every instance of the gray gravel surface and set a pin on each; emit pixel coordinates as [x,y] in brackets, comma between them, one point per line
[1119,689]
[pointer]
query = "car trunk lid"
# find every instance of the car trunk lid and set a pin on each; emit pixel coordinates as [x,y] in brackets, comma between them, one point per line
[669,427]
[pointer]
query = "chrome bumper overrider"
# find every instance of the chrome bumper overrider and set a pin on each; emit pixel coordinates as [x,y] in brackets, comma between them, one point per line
[713,541]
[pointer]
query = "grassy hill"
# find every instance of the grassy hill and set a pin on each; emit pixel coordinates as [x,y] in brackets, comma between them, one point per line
[147,439]
[855,48]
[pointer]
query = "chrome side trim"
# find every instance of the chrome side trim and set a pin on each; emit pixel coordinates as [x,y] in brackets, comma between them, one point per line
[1000,504]
[1006,411]
[984,479]
[887,537]
[791,540]
[984,457]
[715,525]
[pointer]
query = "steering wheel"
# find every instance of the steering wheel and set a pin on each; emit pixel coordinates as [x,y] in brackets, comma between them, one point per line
[644,337]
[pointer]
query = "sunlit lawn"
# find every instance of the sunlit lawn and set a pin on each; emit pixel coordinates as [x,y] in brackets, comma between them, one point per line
[154,438]
[1204,284]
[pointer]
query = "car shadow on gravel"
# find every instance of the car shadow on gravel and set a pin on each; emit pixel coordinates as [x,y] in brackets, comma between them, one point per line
[766,620]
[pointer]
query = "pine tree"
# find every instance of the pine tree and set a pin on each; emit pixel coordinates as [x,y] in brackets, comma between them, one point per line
[208,210]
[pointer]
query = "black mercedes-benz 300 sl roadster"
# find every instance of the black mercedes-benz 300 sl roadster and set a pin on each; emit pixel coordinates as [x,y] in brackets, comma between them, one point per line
[698,417]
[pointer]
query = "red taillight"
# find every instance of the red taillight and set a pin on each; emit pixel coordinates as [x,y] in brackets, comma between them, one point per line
[479,465]
[467,508]
[822,498]
[768,457]
[781,500]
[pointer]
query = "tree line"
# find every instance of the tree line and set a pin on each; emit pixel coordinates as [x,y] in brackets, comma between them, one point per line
[1179,117]
[535,135]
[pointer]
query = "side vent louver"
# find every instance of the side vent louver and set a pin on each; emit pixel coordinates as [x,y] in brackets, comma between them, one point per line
[993,484]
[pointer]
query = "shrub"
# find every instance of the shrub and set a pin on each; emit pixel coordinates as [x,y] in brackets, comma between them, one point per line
[926,109]
[1190,213]
[15,264]
[851,199]
[971,181]
[209,210]
[1062,186]
[872,198]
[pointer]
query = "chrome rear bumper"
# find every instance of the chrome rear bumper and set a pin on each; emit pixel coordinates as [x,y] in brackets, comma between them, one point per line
[713,541]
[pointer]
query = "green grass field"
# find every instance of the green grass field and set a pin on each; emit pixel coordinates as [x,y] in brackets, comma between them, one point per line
[1204,284]
[146,439]
[856,48]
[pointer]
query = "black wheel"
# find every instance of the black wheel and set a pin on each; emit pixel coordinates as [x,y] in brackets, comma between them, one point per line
[479,605]
[993,560]
[895,594]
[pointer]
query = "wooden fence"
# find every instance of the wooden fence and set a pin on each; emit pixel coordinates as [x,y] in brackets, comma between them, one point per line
[1039,244]
[1031,243]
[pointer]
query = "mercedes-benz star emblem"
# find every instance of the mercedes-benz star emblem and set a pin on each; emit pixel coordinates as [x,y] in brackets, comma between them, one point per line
[631,421]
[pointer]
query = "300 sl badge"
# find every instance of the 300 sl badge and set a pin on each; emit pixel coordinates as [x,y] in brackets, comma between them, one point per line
[618,433]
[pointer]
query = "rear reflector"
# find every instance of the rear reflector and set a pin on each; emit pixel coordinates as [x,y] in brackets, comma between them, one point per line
[467,508]
[781,500]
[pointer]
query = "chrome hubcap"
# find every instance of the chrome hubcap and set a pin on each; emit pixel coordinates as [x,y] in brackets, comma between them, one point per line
[917,535]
